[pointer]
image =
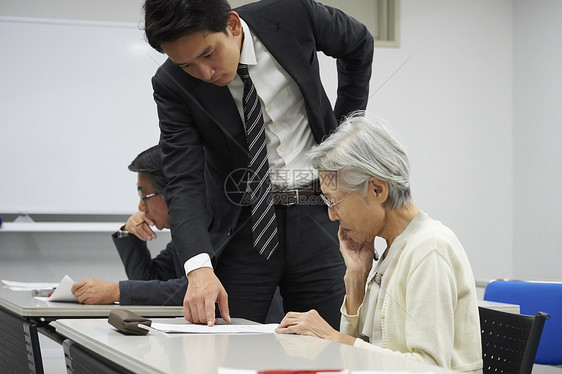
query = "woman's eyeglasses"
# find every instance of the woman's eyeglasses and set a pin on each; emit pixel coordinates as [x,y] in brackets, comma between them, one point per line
[329,204]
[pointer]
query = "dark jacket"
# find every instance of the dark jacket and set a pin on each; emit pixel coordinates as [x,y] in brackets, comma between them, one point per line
[202,135]
[152,281]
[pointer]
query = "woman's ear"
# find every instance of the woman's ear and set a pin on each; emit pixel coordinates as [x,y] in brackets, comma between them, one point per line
[378,188]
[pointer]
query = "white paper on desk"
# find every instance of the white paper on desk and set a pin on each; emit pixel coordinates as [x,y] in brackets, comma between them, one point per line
[28,286]
[192,328]
[223,370]
[63,292]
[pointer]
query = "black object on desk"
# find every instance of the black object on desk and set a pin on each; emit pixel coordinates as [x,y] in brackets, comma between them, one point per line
[128,322]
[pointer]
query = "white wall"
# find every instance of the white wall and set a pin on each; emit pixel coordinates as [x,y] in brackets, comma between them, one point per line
[537,138]
[447,94]
[100,10]
[451,106]
[478,161]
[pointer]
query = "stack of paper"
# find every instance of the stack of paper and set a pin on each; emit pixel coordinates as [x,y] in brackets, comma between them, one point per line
[28,286]
[62,290]
[307,371]
[217,329]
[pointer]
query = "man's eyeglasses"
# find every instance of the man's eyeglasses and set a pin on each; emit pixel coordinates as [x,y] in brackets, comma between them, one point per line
[146,197]
[329,204]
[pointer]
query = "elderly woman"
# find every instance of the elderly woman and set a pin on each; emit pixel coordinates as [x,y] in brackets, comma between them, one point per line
[419,300]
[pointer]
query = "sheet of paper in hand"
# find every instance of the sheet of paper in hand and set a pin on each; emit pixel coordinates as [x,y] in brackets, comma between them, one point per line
[63,291]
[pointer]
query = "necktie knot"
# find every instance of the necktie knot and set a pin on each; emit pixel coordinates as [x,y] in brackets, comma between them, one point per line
[243,71]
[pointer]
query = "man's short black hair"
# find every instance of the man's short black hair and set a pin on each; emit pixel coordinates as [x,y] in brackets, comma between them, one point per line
[150,162]
[169,20]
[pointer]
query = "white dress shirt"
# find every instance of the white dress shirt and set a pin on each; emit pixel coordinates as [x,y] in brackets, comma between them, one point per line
[287,131]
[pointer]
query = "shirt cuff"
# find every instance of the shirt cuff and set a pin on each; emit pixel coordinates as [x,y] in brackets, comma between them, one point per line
[202,260]
[344,313]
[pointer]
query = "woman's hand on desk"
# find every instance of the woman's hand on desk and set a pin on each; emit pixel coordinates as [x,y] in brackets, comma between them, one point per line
[139,225]
[310,323]
[95,292]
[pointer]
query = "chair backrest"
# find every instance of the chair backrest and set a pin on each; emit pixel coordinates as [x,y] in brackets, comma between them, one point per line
[509,341]
[533,297]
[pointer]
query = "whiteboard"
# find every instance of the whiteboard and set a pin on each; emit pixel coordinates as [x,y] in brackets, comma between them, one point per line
[76,107]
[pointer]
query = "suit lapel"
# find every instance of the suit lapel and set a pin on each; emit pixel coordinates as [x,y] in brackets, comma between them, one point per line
[287,50]
[220,106]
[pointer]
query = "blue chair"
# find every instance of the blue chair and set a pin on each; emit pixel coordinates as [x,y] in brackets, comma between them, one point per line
[533,297]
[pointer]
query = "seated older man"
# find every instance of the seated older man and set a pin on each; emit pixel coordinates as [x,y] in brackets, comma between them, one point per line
[152,281]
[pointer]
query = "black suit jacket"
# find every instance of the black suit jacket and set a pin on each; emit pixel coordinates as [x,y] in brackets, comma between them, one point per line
[152,281]
[202,134]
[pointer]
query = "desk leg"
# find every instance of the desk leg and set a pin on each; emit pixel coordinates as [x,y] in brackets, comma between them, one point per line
[19,345]
[80,359]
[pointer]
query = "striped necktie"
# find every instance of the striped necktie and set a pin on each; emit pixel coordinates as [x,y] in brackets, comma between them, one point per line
[264,227]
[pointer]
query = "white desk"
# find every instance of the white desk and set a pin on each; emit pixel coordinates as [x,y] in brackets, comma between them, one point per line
[22,316]
[21,303]
[503,307]
[159,352]
[166,353]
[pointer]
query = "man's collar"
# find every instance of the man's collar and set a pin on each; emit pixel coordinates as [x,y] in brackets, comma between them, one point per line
[248,54]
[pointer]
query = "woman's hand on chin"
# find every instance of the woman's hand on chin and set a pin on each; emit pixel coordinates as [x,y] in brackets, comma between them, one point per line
[358,257]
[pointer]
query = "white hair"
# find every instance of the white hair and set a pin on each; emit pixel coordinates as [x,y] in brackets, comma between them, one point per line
[362,148]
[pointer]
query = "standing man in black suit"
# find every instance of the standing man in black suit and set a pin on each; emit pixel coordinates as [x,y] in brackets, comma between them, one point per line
[240,231]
